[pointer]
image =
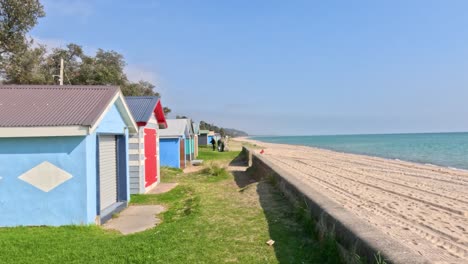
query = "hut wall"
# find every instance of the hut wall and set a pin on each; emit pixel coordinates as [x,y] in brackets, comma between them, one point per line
[169,152]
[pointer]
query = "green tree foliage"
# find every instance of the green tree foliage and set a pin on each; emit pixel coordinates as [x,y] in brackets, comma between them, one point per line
[167,110]
[36,66]
[106,68]
[142,88]
[72,56]
[28,68]
[17,17]
[207,126]
[223,131]
[21,62]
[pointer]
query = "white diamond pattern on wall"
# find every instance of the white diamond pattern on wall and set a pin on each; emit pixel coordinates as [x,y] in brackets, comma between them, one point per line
[45,176]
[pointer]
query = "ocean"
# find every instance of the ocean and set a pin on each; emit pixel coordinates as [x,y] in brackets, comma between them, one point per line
[443,149]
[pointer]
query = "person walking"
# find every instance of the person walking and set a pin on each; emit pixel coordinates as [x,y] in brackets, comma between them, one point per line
[219,145]
[213,143]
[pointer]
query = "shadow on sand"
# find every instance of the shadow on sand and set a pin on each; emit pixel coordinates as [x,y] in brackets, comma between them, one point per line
[294,235]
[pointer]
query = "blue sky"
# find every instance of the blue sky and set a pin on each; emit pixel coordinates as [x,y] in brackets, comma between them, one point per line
[286,67]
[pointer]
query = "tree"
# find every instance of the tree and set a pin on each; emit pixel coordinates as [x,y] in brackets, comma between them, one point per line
[28,67]
[72,56]
[223,131]
[167,110]
[106,68]
[37,66]
[17,17]
[206,126]
[21,63]
[141,88]
[203,125]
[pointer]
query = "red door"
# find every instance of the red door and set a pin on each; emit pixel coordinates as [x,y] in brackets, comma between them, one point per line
[156,153]
[150,156]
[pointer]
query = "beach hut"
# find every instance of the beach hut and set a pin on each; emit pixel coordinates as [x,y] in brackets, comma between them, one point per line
[144,153]
[63,154]
[190,146]
[203,138]
[211,135]
[192,151]
[172,142]
[196,131]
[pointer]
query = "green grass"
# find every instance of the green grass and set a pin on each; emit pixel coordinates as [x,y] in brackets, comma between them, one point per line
[207,154]
[170,174]
[213,217]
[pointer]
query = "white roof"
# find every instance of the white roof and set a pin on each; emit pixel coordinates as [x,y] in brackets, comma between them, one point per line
[190,126]
[175,128]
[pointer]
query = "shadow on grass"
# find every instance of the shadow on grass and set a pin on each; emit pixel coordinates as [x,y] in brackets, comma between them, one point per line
[239,160]
[289,225]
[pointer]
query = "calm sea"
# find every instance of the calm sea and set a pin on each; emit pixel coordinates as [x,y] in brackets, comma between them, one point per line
[444,149]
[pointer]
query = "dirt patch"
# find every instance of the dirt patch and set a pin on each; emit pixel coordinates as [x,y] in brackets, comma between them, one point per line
[163,188]
[135,219]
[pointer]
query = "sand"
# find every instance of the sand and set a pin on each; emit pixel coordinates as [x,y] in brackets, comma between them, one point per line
[425,207]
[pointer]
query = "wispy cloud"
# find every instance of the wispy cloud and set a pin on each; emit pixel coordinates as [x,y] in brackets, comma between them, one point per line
[53,43]
[50,43]
[138,72]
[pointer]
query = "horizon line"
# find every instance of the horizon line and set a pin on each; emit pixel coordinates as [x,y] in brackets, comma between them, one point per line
[359,134]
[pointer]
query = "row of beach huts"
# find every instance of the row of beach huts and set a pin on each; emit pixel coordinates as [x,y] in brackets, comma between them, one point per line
[74,154]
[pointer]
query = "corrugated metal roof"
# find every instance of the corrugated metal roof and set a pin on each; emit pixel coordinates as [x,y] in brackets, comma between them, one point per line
[142,107]
[196,128]
[53,105]
[190,125]
[175,128]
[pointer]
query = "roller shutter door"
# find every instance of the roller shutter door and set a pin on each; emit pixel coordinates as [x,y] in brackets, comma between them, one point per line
[107,171]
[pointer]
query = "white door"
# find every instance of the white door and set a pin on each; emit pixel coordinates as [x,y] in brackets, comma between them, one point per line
[107,171]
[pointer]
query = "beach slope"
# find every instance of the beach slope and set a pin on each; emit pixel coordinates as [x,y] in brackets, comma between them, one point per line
[424,207]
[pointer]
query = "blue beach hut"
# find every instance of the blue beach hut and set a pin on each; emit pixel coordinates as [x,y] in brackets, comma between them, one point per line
[210,136]
[63,154]
[172,143]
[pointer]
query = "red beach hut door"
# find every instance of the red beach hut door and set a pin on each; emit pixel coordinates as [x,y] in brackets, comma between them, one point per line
[156,153]
[150,156]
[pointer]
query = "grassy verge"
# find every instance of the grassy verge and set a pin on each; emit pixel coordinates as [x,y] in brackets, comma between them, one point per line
[207,154]
[213,216]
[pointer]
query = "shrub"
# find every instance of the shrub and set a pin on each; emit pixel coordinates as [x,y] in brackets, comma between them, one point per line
[214,170]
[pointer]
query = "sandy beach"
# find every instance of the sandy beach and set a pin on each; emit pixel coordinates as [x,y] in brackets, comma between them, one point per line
[425,207]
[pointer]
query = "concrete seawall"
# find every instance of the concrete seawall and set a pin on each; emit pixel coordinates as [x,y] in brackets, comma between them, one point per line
[350,231]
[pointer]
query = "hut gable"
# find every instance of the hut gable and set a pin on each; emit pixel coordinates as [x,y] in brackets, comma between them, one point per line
[145,108]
